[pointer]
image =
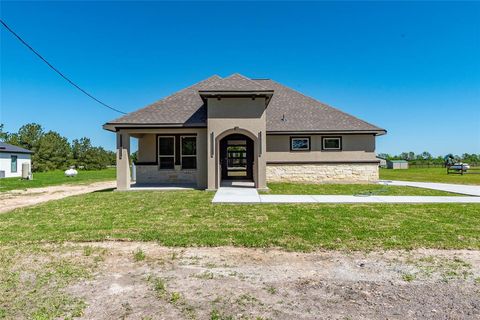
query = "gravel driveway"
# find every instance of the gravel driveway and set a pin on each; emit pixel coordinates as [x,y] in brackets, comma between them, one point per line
[27,197]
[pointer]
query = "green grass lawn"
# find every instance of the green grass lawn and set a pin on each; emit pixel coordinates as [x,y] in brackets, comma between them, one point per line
[352,189]
[50,178]
[429,175]
[188,218]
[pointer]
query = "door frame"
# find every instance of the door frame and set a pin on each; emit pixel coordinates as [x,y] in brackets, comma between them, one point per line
[223,154]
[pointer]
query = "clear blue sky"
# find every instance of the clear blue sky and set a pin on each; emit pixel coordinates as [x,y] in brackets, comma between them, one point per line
[412,68]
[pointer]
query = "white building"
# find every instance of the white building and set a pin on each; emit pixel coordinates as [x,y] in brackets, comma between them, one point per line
[11,160]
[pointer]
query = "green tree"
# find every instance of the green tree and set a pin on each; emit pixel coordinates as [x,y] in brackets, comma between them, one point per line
[28,136]
[80,152]
[426,155]
[3,134]
[54,152]
[88,157]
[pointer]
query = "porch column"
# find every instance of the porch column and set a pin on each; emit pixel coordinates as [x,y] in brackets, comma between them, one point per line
[211,161]
[123,161]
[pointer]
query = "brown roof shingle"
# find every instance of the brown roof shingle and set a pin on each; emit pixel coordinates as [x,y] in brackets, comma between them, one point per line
[288,111]
[235,82]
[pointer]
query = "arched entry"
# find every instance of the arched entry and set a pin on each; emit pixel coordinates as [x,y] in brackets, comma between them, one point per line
[236,157]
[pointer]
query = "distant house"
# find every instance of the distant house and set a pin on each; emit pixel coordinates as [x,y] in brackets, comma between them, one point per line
[383,162]
[397,164]
[256,130]
[11,160]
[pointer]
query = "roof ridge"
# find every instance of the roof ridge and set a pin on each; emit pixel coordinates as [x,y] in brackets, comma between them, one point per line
[246,78]
[326,105]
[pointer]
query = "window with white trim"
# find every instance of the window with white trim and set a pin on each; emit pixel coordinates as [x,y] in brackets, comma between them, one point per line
[300,144]
[331,143]
[166,152]
[188,152]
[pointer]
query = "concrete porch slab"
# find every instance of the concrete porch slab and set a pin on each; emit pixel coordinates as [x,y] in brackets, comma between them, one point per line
[236,195]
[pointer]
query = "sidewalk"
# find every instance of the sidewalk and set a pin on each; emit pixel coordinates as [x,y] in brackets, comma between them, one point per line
[455,188]
[250,195]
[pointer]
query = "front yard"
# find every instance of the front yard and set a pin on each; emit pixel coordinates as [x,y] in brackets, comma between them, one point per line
[430,175]
[352,189]
[188,218]
[57,177]
[156,255]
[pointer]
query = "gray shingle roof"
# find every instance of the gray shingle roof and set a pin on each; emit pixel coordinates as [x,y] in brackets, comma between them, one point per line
[288,111]
[184,107]
[302,113]
[5,147]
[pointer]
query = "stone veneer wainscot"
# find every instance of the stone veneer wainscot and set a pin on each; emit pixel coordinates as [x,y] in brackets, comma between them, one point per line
[347,173]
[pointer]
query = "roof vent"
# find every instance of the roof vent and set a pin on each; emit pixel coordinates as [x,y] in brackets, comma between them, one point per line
[283,118]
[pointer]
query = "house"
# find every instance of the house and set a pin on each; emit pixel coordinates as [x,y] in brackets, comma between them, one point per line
[382,162]
[12,158]
[397,164]
[258,130]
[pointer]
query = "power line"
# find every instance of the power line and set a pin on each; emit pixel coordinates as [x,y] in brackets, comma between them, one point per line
[58,71]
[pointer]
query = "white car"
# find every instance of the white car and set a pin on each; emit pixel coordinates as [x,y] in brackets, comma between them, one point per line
[460,166]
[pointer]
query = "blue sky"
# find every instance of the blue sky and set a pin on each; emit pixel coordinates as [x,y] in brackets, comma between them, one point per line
[412,68]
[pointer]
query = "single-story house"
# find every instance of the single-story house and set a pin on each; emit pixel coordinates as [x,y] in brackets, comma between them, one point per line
[382,162]
[397,164]
[239,128]
[12,159]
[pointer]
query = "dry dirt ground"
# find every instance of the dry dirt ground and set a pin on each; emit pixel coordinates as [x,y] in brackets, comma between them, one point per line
[147,281]
[22,198]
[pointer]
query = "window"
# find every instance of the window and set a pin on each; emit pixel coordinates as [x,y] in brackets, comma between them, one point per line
[331,143]
[300,144]
[166,152]
[13,166]
[189,152]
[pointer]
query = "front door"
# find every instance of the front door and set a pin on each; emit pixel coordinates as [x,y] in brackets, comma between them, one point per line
[236,157]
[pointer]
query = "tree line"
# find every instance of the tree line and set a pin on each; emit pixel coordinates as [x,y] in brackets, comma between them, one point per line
[53,151]
[426,158]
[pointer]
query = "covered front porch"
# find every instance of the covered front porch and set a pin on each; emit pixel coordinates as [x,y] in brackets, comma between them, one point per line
[177,158]
[173,158]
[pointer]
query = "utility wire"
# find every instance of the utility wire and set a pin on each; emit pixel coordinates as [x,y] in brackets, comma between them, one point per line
[58,71]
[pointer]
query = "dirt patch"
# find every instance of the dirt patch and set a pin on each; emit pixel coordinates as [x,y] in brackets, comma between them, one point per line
[28,197]
[241,283]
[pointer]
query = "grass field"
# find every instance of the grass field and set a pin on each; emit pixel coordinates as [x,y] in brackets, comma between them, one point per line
[188,218]
[352,189]
[430,175]
[51,178]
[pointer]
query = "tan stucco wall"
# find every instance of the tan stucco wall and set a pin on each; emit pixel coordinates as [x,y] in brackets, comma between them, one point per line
[248,117]
[359,147]
[147,148]
[123,161]
[323,173]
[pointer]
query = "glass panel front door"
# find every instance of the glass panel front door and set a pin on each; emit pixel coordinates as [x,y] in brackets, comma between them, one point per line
[237,161]
[237,157]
